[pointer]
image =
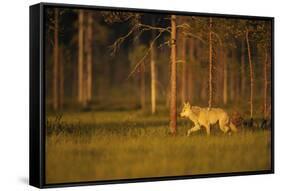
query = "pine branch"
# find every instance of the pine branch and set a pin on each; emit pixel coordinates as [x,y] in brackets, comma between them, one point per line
[144,56]
[116,45]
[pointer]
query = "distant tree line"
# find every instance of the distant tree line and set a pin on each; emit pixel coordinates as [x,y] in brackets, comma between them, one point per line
[214,61]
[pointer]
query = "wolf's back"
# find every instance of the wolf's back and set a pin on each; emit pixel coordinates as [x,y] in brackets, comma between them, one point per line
[196,110]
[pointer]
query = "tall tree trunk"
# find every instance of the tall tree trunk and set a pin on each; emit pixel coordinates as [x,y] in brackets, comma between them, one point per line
[203,90]
[243,68]
[173,78]
[56,61]
[141,81]
[225,81]
[142,86]
[85,72]
[183,76]
[74,81]
[251,73]
[265,86]
[61,77]
[220,76]
[153,79]
[237,78]
[190,91]
[232,77]
[89,57]
[80,57]
[210,65]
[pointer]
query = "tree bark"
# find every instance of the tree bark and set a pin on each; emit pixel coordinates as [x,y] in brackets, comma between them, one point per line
[210,65]
[265,86]
[251,73]
[141,81]
[203,84]
[243,69]
[232,76]
[220,76]
[89,57]
[80,56]
[153,79]
[173,79]
[56,61]
[183,76]
[142,86]
[237,79]
[225,81]
[190,91]
[61,77]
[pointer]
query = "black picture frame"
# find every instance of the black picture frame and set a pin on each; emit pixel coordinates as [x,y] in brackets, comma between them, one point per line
[37,96]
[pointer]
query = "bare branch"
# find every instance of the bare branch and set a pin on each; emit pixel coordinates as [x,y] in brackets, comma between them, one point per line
[183,26]
[144,56]
[164,43]
[143,28]
[218,37]
[194,36]
[149,27]
[116,45]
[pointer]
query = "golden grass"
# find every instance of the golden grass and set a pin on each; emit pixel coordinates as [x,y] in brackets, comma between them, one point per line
[121,145]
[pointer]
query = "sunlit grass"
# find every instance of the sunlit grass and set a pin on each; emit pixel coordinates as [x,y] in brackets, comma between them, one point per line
[121,145]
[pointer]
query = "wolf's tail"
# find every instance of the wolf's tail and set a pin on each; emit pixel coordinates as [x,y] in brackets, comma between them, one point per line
[232,127]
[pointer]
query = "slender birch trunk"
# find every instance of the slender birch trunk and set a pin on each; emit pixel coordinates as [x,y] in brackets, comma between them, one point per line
[153,79]
[173,79]
[141,81]
[142,86]
[251,73]
[89,57]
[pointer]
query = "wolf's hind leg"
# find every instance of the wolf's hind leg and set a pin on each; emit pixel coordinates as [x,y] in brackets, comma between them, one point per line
[223,126]
[232,127]
[193,129]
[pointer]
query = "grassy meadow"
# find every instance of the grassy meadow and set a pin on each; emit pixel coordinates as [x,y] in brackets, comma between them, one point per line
[107,145]
[115,82]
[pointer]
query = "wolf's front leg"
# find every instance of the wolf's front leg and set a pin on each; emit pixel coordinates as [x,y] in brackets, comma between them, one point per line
[208,129]
[193,129]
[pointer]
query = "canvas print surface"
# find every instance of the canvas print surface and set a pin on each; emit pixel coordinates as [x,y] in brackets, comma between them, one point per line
[132,95]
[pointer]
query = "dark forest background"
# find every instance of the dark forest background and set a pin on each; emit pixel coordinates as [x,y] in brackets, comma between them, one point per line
[110,60]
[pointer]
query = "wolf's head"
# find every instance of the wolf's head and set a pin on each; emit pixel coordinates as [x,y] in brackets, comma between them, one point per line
[186,110]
